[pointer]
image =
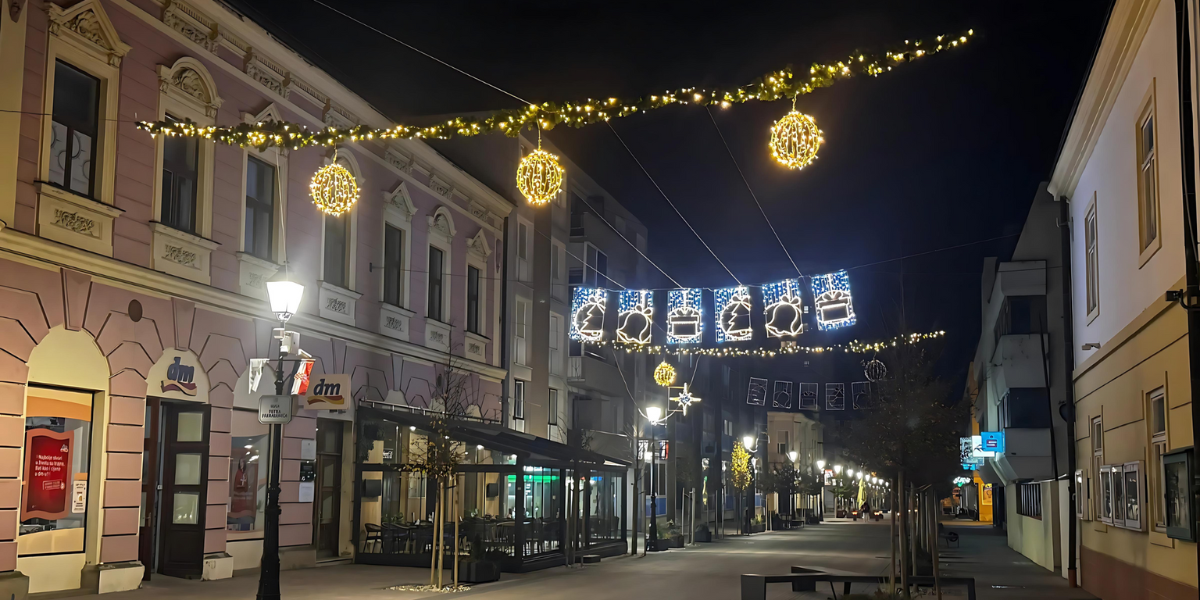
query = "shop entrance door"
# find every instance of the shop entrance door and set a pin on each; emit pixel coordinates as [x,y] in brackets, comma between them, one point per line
[174,488]
[328,486]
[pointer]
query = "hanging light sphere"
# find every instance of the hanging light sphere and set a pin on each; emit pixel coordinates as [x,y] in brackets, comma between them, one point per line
[664,374]
[333,189]
[875,370]
[795,140]
[539,177]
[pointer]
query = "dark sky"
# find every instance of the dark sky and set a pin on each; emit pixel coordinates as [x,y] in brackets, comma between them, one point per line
[942,152]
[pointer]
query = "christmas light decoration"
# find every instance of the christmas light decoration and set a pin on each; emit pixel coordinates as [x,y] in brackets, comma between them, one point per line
[684,316]
[587,314]
[769,87]
[795,139]
[782,398]
[756,392]
[733,314]
[835,396]
[664,374]
[539,175]
[834,305]
[784,302]
[333,189]
[875,370]
[860,394]
[854,347]
[635,316]
[685,398]
[808,396]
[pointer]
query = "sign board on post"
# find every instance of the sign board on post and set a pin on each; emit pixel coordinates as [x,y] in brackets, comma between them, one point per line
[275,409]
[328,392]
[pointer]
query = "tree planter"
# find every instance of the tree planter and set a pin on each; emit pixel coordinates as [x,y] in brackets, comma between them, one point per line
[478,571]
[659,545]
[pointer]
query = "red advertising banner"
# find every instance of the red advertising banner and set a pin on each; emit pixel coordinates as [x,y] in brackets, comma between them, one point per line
[46,494]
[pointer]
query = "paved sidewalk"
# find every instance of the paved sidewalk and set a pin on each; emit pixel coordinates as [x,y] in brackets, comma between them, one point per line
[1000,572]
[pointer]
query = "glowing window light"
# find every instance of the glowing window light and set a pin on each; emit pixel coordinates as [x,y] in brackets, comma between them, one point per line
[685,324]
[733,314]
[587,314]
[784,302]
[635,316]
[835,307]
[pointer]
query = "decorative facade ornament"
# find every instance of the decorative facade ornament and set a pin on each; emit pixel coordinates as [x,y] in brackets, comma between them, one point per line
[267,74]
[73,222]
[179,255]
[336,116]
[88,26]
[400,200]
[478,245]
[440,187]
[441,223]
[191,24]
[189,82]
[398,159]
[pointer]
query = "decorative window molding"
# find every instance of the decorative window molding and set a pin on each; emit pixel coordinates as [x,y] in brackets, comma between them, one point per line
[267,73]
[479,248]
[1146,142]
[180,253]
[398,211]
[481,212]
[337,303]
[254,271]
[441,225]
[398,203]
[475,346]
[192,24]
[398,159]
[336,116]
[86,26]
[437,335]
[75,220]
[189,82]
[253,275]
[395,321]
[439,186]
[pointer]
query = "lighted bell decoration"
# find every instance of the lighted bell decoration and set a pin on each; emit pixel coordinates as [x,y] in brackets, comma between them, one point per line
[795,140]
[539,176]
[664,374]
[333,189]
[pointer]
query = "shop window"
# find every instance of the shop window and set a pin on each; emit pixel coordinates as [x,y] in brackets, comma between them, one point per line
[1132,487]
[1177,484]
[247,475]
[606,508]
[1157,410]
[55,494]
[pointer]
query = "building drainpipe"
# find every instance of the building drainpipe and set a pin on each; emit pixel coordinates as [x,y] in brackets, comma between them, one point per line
[1190,297]
[503,337]
[1067,410]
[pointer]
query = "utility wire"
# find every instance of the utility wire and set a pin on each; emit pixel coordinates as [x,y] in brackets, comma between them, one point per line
[751,190]
[631,244]
[668,199]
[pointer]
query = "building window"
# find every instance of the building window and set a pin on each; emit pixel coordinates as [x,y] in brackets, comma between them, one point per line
[518,399]
[1082,489]
[1147,177]
[247,474]
[1177,467]
[523,251]
[393,265]
[1029,500]
[1100,497]
[1158,442]
[783,443]
[521,332]
[596,272]
[337,259]
[1021,315]
[436,281]
[553,407]
[74,129]
[181,167]
[1092,265]
[472,299]
[556,334]
[1132,486]
[58,444]
[260,207]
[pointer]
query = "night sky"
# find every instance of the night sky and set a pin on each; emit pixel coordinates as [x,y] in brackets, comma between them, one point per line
[943,152]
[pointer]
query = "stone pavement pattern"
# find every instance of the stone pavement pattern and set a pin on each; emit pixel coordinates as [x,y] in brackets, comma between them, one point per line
[704,571]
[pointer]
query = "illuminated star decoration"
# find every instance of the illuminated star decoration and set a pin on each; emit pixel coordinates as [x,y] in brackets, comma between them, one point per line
[834,305]
[587,314]
[733,314]
[635,315]
[785,308]
[685,398]
[684,324]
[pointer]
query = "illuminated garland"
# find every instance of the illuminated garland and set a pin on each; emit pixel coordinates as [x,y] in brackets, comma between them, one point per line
[772,86]
[854,347]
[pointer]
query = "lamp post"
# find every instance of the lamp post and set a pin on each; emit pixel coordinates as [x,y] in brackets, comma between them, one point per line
[750,442]
[791,487]
[654,415]
[285,301]
[821,489]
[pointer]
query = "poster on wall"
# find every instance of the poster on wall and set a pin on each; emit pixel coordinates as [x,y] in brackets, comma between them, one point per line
[243,499]
[45,494]
[757,394]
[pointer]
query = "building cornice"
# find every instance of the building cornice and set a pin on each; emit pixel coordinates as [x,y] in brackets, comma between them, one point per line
[1123,35]
[34,250]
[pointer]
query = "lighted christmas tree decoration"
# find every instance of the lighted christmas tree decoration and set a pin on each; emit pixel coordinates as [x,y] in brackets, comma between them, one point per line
[539,175]
[795,139]
[784,302]
[664,374]
[635,316]
[733,314]
[831,296]
[684,316]
[587,314]
[333,189]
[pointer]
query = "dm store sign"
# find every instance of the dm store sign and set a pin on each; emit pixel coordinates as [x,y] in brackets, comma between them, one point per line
[180,378]
[328,392]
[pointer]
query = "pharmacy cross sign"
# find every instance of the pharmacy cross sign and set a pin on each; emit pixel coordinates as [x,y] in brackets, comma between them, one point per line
[685,398]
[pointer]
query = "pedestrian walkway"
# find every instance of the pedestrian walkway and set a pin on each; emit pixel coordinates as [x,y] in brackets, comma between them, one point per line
[1000,572]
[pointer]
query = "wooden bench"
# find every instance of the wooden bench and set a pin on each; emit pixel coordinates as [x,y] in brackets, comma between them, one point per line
[754,586]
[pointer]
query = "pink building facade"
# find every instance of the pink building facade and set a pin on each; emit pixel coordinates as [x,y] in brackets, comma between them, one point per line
[132,294]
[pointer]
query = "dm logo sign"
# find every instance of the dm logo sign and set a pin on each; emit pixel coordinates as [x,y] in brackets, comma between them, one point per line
[328,392]
[180,378]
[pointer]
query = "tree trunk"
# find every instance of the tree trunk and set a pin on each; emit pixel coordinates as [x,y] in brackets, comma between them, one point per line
[905,557]
[892,542]
[439,529]
[933,550]
[454,495]
[432,544]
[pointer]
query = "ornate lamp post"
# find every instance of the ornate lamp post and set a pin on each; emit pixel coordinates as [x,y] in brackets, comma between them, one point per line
[654,414]
[821,492]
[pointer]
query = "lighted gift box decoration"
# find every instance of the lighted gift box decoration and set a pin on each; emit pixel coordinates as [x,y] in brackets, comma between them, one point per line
[832,300]
[684,317]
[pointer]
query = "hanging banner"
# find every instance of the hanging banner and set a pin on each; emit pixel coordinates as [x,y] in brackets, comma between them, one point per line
[784,302]
[45,494]
[835,396]
[684,316]
[635,316]
[757,394]
[733,314]
[328,392]
[587,314]
[782,398]
[832,300]
[860,394]
[808,396]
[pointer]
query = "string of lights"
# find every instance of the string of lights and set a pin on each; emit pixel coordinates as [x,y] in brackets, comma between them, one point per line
[772,86]
[853,347]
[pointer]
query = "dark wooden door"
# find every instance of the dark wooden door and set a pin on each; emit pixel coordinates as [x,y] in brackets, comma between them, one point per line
[184,489]
[328,488]
[150,465]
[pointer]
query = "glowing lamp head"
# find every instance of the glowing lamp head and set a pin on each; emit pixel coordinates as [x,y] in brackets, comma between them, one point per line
[837,469]
[285,298]
[860,474]
[748,441]
[653,414]
[821,464]
[792,455]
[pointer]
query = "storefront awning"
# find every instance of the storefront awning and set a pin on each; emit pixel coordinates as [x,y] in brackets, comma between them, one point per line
[531,449]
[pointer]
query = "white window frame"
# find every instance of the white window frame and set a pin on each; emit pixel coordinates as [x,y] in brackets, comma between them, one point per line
[553,398]
[398,211]
[1091,250]
[1136,468]
[518,407]
[177,102]
[254,271]
[1156,474]
[591,275]
[1147,166]
[444,241]
[478,251]
[524,251]
[347,160]
[1105,495]
[522,311]
[558,269]
[1099,499]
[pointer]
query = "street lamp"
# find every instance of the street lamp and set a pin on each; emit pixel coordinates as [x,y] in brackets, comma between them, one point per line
[792,455]
[748,442]
[284,296]
[821,492]
[654,414]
